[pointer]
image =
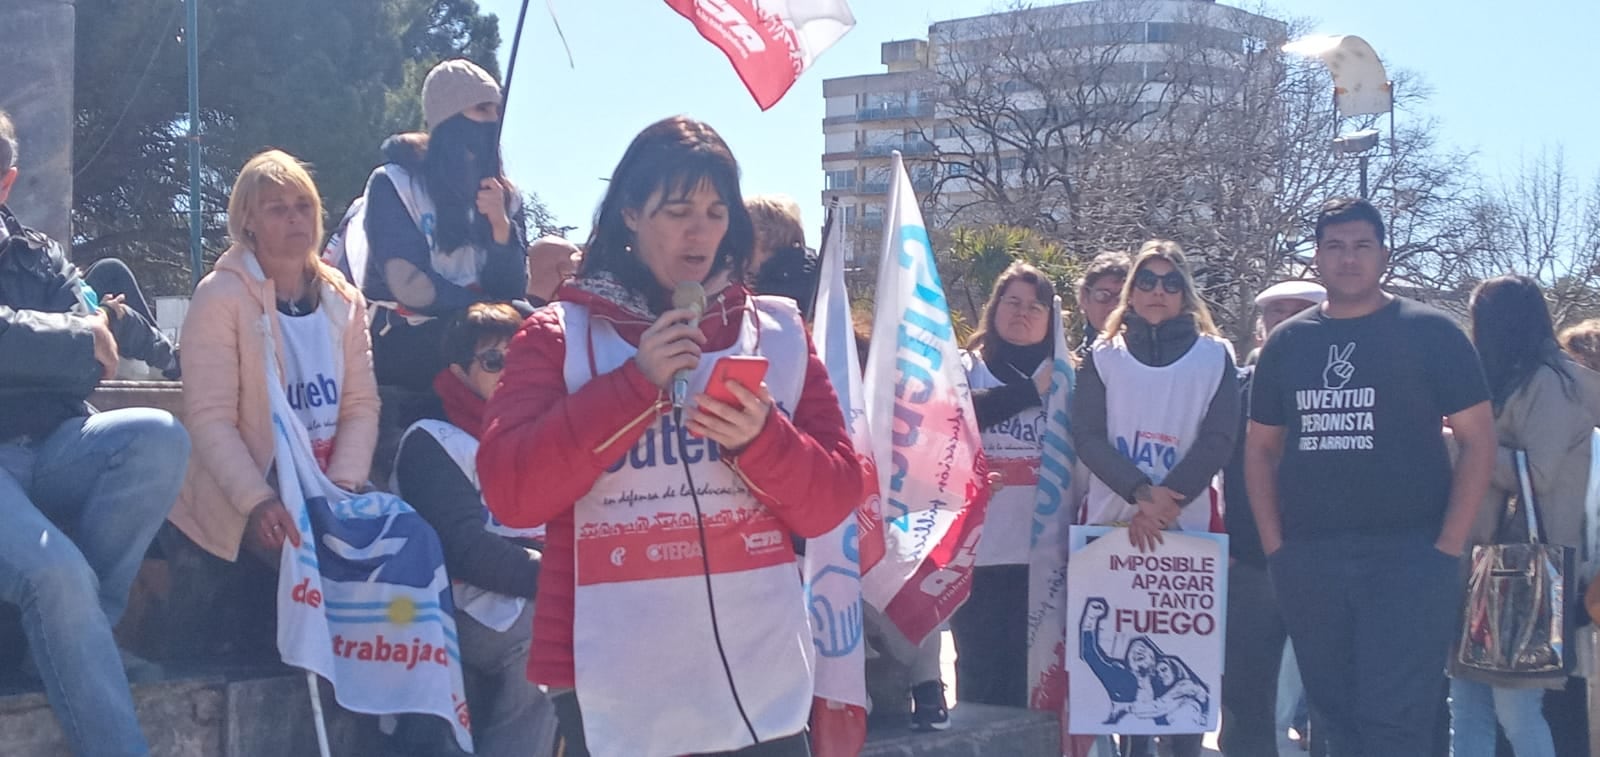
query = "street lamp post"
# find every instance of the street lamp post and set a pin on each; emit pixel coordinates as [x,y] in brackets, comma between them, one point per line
[192,38]
[1361,88]
[1359,144]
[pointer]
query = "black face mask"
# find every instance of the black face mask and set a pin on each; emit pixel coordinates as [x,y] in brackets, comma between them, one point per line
[463,153]
[482,144]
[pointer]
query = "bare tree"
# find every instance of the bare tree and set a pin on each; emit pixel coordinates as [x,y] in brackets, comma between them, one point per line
[1542,222]
[1102,124]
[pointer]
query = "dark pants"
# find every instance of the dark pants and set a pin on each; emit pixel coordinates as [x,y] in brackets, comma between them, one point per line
[1371,618]
[137,338]
[991,635]
[574,745]
[1183,745]
[404,355]
[1567,712]
[1256,636]
[217,610]
[108,276]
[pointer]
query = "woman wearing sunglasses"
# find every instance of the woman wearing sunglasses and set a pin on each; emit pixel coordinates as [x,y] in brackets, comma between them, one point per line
[1155,413]
[495,569]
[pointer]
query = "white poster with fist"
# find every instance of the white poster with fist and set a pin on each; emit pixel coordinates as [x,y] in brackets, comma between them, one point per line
[1146,630]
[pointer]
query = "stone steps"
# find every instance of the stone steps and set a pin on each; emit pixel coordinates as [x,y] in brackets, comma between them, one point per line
[268,714]
[241,714]
[976,730]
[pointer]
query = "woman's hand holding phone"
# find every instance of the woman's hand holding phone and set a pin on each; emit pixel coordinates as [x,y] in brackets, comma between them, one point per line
[729,413]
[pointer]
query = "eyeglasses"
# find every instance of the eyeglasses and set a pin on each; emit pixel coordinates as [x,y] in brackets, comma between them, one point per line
[1146,281]
[491,361]
[1033,308]
[1104,296]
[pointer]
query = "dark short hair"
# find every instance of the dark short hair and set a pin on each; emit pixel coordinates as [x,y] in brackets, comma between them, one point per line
[482,322]
[1108,263]
[8,142]
[790,272]
[1346,209]
[672,156]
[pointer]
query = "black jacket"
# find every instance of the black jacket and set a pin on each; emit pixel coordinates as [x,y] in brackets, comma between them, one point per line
[47,362]
[1155,346]
[1244,539]
[444,497]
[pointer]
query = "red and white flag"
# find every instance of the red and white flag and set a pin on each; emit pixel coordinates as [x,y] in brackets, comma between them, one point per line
[769,42]
[931,469]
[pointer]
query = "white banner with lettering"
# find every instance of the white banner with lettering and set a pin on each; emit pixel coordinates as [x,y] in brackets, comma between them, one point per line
[1146,654]
[931,468]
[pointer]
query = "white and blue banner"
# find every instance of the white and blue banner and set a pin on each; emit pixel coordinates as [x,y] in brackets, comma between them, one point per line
[1059,491]
[833,562]
[932,473]
[364,601]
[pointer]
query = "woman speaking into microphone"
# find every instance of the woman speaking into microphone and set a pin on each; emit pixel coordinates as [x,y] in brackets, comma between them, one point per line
[671,618]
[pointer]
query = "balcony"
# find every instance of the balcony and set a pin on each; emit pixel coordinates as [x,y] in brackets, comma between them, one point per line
[906,148]
[918,184]
[891,112]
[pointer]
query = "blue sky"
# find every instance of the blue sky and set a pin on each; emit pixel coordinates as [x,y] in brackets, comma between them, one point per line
[1508,80]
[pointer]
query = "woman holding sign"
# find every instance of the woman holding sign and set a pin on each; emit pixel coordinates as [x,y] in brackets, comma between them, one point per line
[1008,364]
[671,618]
[1156,410]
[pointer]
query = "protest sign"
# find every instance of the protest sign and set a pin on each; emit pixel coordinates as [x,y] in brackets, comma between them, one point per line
[1146,657]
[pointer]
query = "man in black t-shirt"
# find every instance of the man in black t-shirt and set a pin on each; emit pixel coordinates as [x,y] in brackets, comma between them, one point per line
[1360,515]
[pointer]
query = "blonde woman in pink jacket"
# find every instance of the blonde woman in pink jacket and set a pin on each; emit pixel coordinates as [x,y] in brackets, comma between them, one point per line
[270,274]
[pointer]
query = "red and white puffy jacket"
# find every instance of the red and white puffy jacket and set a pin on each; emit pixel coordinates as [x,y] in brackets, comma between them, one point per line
[543,448]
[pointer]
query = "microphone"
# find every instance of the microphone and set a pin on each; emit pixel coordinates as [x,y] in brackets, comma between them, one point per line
[690,295]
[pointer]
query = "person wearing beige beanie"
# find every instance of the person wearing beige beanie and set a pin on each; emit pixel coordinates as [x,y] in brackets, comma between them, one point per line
[457,86]
[443,227]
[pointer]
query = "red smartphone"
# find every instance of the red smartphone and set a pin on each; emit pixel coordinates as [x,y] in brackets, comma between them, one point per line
[747,370]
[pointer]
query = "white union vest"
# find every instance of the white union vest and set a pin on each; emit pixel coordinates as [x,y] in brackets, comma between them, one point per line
[649,677]
[495,610]
[1152,417]
[1012,447]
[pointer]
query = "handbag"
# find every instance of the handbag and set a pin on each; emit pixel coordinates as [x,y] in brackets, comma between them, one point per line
[1517,620]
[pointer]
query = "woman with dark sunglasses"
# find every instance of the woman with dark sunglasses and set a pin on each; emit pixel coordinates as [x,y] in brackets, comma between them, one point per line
[494,568]
[1155,414]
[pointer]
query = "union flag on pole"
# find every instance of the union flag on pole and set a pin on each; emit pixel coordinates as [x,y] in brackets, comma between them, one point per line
[931,469]
[769,42]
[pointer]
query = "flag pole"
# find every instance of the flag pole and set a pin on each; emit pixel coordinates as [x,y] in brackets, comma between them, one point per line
[505,93]
[828,221]
[316,714]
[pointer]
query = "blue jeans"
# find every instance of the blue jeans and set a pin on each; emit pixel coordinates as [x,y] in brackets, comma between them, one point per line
[77,511]
[1474,708]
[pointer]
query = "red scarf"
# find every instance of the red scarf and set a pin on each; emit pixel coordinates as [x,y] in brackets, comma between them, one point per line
[462,406]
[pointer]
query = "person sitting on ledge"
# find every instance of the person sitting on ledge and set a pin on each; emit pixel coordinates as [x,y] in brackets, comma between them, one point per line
[495,568]
[81,495]
[269,297]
